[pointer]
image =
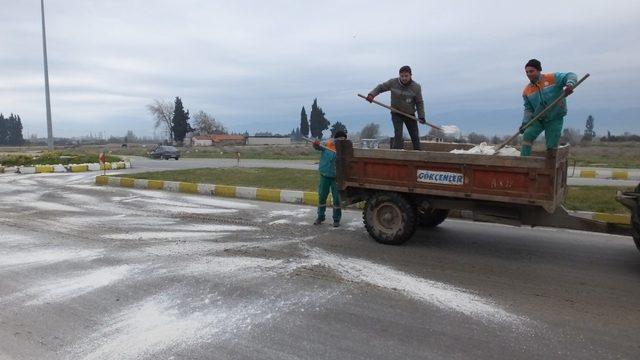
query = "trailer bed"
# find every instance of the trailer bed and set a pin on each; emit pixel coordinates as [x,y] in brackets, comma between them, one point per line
[534,181]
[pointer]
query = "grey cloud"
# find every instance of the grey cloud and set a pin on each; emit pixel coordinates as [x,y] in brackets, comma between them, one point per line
[254,64]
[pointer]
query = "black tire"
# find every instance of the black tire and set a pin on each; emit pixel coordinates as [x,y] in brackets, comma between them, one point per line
[389,218]
[635,225]
[177,157]
[431,217]
[166,157]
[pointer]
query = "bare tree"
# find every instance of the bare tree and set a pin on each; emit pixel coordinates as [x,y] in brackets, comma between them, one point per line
[207,124]
[570,136]
[476,138]
[162,112]
[370,131]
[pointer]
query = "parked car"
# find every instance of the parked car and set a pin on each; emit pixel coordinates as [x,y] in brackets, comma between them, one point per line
[165,152]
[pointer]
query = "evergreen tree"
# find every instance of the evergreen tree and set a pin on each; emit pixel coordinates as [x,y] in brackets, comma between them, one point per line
[589,134]
[338,126]
[11,130]
[3,130]
[180,121]
[304,123]
[370,131]
[317,122]
[19,138]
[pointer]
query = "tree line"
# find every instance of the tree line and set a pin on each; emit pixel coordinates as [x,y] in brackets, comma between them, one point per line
[11,130]
[315,124]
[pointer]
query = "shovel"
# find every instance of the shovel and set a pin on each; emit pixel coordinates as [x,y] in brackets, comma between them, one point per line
[544,111]
[400,112]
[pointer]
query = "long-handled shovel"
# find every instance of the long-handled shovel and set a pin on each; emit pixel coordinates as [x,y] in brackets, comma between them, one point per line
[399,112]
[544,111]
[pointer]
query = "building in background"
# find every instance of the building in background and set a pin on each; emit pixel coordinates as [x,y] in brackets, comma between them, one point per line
[269,140]
[201,140]
[218,139]
[227,139]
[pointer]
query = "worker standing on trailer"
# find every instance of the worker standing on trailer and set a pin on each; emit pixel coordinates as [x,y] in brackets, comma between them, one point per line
[542,90]
[406,96]
[327,169]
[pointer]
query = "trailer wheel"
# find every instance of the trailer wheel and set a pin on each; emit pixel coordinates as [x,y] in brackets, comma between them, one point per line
[431,217]
[389,218]
[635,225]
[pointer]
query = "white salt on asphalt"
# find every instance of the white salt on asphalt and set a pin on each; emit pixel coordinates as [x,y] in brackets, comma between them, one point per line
[442,295]
[163,322]
[162,235]
[61,289]
[47,256]
[298,213]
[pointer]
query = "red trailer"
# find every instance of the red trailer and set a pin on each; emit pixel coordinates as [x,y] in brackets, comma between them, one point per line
[404,189]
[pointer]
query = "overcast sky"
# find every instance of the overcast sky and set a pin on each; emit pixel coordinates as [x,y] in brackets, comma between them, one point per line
[254,64]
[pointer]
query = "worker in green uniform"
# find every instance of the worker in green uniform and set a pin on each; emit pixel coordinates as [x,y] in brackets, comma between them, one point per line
[542,90]
[327,169]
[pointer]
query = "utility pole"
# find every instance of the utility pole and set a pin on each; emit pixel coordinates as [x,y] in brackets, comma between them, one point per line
[46,82]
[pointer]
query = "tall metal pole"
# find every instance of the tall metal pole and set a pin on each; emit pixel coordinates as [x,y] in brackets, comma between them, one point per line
[46,82]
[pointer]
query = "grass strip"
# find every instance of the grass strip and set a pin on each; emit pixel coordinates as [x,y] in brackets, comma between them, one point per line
[269,178]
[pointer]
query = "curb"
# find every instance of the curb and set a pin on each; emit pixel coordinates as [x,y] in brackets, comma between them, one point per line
[623,219]
[607,174]
[41,169]
[290,196]
[620,219]
[241,192]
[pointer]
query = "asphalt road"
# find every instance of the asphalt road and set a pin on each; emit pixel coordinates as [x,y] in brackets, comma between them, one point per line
[141,164]
[90,272]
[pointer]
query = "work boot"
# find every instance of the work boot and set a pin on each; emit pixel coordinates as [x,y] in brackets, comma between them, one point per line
[336,223]
[318,221]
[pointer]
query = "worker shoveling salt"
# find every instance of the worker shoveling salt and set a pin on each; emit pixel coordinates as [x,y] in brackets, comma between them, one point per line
[484,149]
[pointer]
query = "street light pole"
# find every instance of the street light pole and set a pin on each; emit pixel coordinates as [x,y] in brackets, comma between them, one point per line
[46,82]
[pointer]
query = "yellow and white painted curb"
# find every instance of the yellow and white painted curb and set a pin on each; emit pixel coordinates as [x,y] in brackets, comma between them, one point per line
[623,219]
[614,174]
[40,169]
[249,193]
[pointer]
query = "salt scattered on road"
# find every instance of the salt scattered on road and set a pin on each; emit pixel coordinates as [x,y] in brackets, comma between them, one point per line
[298,213]
[223,265]
[55,290]
[162,235]
[213,227]
[42,257]
[14,239]
[281,221]
[121,220]
[164,322]
[32,200]
[442,295]
[194,199]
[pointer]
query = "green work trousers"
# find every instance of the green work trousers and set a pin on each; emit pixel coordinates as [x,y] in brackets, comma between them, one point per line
[328,184]
[552,130]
